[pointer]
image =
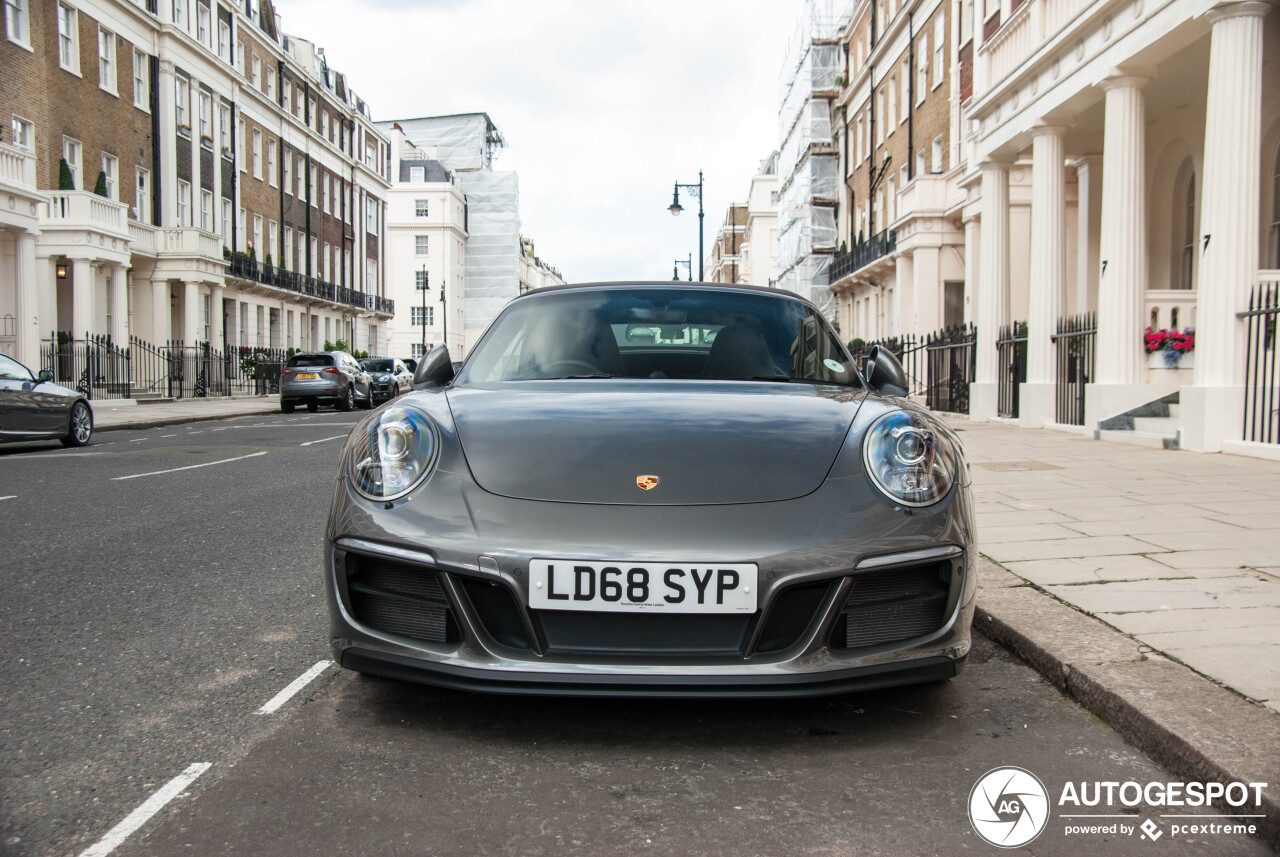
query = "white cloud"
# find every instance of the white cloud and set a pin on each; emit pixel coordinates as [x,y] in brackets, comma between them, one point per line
[603,104]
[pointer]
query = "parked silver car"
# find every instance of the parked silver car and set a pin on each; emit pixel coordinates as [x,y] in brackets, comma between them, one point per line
[331,377]
[390,376]
[34,408]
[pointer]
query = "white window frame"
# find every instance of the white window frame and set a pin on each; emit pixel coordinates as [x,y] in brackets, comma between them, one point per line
[286,252]
[301,173]
[184,203]
[258,252]
[937,155]
[224,128]
[922,70]
[224,41]
[272,234]
[417,174]
[24,133]
[419,280]
[68,39]
[288,173]
[17,22]
[141,72]
[242,232]
[421,208]
[904,92]
[257,154]
[72,152]
[255,73]
[206,118]
[324,192]
[271,162]
[182,104]
[240,159]
[939,48]
[107,61]
[226,222]
[204,33]
[111,172]
[324,124]
[271,84]
[181,8]
[206,210]
[142,194]
[311,189]
[422,245]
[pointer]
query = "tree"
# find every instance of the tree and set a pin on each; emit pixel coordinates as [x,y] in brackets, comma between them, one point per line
[100,186]
[65,181]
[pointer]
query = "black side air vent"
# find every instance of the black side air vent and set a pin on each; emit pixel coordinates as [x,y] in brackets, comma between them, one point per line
[893,605]
[400,599]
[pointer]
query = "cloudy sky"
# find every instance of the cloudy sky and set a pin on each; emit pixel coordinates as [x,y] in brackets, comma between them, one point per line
[603,104]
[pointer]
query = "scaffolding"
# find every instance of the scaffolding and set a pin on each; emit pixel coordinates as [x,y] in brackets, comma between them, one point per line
[809,160]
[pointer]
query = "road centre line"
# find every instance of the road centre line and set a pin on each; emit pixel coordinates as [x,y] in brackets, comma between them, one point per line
[294,686]
[137,440]
[140,816]
[189,467]
[10,497]
[168,435]
[322,440]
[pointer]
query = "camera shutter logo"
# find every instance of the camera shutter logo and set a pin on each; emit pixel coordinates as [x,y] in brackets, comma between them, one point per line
[1008,807]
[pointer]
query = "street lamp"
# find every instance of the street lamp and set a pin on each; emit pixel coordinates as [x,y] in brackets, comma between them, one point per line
[675,208]
[675,271]
[425,281]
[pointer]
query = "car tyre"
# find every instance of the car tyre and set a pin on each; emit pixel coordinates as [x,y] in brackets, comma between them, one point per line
[348,400]
[80,427]
[312,407]
[367,404]
[286,407]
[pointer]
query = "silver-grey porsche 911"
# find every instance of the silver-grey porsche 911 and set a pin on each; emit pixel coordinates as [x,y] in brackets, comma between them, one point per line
[653,489]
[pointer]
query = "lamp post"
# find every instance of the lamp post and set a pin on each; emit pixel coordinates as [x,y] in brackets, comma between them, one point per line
[444,313]
[675,209]
[425,280]
[675,270]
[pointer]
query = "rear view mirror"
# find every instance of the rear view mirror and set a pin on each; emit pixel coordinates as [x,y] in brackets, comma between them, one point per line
[884,373]
[434,370]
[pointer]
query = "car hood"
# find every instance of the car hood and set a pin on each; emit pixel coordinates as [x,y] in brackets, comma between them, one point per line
[588,441]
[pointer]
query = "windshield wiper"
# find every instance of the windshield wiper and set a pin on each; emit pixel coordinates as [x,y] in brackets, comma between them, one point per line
[579,377]
[781,378]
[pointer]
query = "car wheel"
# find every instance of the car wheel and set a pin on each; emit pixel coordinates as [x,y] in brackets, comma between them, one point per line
[367,404]
[348,400]
[286,407]
[80,428]
[312,407]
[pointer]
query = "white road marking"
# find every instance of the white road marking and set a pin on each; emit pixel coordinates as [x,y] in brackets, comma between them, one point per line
[190,466]
[140,816]
[224,428]
[322,440]
[296,685]
[195,432]
[10,497]
[137,440]
[168,435]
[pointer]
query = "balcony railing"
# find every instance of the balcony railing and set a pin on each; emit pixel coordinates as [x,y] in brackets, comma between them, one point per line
[189,241]
[80,209]
[247,268]
[880,244]
[1032,23]
[17,167]
[142,238]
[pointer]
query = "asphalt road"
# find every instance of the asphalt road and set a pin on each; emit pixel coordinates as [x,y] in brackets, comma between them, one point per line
[147,620]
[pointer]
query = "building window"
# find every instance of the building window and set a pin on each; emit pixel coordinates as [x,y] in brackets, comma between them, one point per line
[418,350]
[420,207]
[107,60]
[286,94]
[271,84]
[417,314]
[140,80]
[286,254]
[325,193]
[920,162]
[184,203]
[180,13]
[239,62]
[142,196]
[71,154]
[111,173]
[301,173]
[224,129]
[206,211]
[257,154]
[244,166]
[24,133]
[272,233]
[324,124]
[17,21]
[420,245]
[288,172]
[417,174]
[922,71]
[255,76]
[371,216]
[242,231]
[202,25]
[904,92]
[936,166]
[327,276]
[68,39]
[224,41]
[257,234]
[182,92]
[226,221]
[1186,268]
[206,120]
[311,189]
[271,162]
[939,45]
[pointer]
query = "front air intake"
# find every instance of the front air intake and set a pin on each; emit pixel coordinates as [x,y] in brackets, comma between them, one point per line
[400,599]
[893,605]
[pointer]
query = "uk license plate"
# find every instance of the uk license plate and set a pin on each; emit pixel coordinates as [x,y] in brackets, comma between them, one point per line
[307,376]
[645,587]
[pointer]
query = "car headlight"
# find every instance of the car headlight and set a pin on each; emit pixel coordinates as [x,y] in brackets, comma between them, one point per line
[394,453]
[908,460]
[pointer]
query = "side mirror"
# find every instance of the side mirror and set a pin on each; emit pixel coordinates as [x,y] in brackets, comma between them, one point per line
[44,376]
[434,370]
[884,373]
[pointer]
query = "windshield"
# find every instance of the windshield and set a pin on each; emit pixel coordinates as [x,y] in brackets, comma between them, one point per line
[310,360]
[377,366]
[658,333]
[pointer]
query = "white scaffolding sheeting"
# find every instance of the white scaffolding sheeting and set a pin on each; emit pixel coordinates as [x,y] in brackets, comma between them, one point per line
[464,142]
[493,245]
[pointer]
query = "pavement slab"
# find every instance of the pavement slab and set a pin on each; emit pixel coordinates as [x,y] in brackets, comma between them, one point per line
[1050,572]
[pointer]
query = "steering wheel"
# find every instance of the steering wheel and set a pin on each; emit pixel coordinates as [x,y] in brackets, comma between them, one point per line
[581,367]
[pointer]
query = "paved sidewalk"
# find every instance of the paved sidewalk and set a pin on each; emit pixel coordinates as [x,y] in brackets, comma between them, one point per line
[109,414]
[1181,551]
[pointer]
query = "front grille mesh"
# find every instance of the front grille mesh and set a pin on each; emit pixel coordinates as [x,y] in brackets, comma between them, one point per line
[404,600]
[893,605]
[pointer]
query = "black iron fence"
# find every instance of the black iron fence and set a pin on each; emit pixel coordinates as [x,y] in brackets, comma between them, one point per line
[1262,366]
[910,351]
[94,366]
[1011,360]
[949,354]
[248,268]
[1075,343]
[880,244]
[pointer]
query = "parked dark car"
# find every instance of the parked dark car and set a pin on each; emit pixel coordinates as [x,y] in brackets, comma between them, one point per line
[332,377]
[34,408]
[654,489]
[390,377]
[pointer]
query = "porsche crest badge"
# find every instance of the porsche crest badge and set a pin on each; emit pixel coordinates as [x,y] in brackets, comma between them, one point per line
[646,483]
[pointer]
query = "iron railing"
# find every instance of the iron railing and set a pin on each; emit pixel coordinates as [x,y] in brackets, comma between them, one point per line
[1011,360]
[248,268]
[951,359]
[1262,366]
[94,366]
[910,351]
[880,244]
[1075,343]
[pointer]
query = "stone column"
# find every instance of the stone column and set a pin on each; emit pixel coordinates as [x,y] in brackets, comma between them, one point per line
[903,314]
[1048,275]
[29,320]
[82,290]
[926,291]
[118,300]
[993,288]
[1122,278]
[165,182]
[161,318]
[215,316]
[191,332]
[972,244]
[1229,227]
[1088,225]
